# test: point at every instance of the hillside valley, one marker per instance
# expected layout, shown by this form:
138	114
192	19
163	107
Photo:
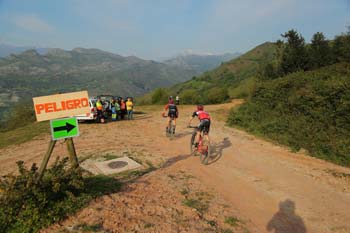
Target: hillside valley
29	74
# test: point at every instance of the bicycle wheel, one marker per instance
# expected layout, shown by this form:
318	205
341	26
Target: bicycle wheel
172	129
205	151
167	132
192	147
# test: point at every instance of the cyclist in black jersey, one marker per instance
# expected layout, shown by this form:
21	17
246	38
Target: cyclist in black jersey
173	113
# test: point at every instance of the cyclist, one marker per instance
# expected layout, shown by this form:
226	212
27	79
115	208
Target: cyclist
173	113
204	123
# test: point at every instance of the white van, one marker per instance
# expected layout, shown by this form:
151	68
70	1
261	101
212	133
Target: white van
92	115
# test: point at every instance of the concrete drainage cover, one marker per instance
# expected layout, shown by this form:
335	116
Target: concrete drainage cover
117	165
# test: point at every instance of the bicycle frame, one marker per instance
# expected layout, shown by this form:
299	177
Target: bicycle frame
203	150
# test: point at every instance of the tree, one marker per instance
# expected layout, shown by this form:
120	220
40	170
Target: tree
190	96
217	95
160	95
320	53
267	72
294	54
341	47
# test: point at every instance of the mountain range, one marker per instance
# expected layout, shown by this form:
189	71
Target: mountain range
30	73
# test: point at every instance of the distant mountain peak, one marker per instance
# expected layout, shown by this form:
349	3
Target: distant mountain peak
80	50
200	62
188	52
89	50
56	52
30	53
191	52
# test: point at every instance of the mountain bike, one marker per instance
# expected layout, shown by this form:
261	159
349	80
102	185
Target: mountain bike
203	148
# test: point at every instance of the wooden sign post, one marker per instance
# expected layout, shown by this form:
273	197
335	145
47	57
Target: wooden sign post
57	106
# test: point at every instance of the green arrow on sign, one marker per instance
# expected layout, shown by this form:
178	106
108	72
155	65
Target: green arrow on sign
64	128
68	127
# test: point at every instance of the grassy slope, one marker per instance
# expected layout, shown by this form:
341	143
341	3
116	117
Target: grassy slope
23	134
307	110
232	79
231	73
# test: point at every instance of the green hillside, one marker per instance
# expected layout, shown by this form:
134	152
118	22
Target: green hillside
307	110
302	97
222	83
225	78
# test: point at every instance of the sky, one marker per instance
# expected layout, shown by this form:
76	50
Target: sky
156	29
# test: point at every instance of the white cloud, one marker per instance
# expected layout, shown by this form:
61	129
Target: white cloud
32	23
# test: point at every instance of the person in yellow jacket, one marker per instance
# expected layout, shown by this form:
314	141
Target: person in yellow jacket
129	108
99	108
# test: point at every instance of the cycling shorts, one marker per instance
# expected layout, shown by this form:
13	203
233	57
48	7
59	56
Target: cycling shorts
204	126
172	115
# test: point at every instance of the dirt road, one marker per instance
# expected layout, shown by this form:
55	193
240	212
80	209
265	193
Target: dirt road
265	186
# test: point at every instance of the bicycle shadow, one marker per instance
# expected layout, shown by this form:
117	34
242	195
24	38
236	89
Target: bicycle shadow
216	150
182	134
174	160
142	117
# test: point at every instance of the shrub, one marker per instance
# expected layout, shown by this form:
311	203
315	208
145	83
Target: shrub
190	97
217	95
160	95
303	110
28	206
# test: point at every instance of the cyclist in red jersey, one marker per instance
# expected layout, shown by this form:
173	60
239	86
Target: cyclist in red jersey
204	122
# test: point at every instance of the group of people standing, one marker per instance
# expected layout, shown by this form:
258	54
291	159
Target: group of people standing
117	108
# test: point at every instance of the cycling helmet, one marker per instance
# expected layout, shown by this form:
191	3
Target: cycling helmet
200	108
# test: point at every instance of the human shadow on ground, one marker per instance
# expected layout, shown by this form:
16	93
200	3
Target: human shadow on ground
216	150
285	220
